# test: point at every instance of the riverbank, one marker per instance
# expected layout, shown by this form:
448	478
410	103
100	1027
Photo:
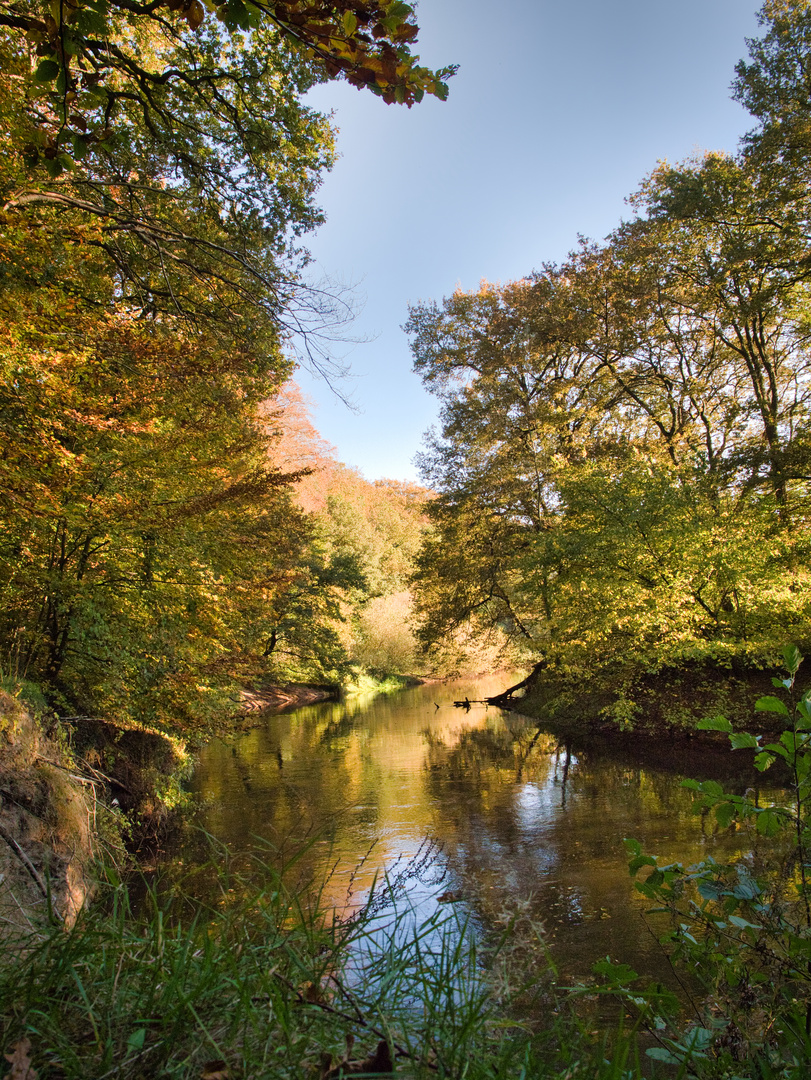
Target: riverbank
658	709
275	699
531	867
52	822
262	982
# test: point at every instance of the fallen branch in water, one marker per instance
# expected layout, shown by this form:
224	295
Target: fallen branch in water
504	697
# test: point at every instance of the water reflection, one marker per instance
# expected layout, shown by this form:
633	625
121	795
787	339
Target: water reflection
520	819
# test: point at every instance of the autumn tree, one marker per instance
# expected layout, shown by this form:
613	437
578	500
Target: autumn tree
159	175
175	141
610	464
364	541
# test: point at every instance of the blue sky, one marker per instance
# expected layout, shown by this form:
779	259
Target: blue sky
559	109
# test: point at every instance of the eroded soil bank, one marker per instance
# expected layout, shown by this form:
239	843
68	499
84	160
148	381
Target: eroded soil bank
49	818
73	793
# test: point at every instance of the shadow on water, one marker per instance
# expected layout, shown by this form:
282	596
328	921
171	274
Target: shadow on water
520	822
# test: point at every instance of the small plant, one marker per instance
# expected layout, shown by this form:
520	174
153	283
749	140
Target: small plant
740	937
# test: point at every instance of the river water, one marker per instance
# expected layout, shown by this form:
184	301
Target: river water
358	788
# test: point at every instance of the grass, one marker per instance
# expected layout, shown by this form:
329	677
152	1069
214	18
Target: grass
267	987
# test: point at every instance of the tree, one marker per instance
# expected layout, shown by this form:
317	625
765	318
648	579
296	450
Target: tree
176	143
610	470
159	172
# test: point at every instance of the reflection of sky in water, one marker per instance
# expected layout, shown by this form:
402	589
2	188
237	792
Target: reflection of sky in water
518	820
538	808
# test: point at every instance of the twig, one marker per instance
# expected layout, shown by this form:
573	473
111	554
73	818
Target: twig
21	855
96	775
400	1051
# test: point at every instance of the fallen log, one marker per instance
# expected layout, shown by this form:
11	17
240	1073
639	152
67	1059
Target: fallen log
505	696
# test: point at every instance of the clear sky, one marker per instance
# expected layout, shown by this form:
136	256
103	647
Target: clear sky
559	109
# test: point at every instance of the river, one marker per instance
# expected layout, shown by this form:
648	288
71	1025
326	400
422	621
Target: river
515	821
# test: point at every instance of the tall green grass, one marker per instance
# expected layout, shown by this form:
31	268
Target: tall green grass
268	986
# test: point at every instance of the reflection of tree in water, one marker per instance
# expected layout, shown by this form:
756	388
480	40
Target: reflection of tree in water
527	821
498	747
525	825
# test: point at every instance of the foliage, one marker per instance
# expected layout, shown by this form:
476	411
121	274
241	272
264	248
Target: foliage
372	530
741	931
258	985
128	577
159	171
622	465
173	140
383	638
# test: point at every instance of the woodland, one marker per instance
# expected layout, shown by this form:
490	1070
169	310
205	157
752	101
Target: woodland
618	491
620	479
162	539
623	461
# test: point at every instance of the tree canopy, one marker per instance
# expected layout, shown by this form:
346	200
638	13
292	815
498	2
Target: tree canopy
622	464
159	175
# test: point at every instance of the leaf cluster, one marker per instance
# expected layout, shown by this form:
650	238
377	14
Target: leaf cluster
740	931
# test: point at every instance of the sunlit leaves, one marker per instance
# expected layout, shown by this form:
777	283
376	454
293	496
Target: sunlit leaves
628	427
366	43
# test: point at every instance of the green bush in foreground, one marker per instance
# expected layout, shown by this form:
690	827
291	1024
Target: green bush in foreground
263	987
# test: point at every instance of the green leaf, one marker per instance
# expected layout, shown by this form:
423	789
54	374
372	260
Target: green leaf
711	787
714	723
724	813
398	9
743	924
777	748
793	658
742	740
764	761
350	23
771	704
659	1053
769	822
635	865
710	890
616	974
47	71
746	889
136	1040
91	22
804	709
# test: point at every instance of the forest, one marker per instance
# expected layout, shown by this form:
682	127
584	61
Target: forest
617	495
161	540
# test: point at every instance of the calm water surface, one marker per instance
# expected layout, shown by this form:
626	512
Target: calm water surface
519	822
